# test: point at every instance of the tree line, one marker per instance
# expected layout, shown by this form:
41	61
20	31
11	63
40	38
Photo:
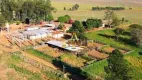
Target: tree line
73	8
107	8
12	10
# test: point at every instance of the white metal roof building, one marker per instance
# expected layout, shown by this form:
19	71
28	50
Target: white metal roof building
64	46
36	33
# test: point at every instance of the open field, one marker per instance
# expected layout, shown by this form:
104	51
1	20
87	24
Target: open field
85	12
105	2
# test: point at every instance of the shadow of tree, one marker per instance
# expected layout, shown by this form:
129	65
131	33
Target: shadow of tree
140	53
126	33
77	73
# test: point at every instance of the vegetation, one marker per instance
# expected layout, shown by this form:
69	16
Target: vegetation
136	32
118	32
93	23
108	37
117	67
111	18
55	76
96	68
77	27
40	55
19	9
73	60
64	19
85	12
2	21
49	17
75	7
34	76
106	8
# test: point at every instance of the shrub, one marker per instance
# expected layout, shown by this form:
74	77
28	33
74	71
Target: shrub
136	32
63	19
49	17
18	22
93	23
2	21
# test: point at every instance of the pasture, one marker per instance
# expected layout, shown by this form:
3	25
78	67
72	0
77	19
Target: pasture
85	11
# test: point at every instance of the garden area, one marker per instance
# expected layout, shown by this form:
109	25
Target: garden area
40	55
50	51
73	60
31	69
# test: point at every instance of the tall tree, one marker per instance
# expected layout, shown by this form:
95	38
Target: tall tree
33	9
2	22
111	18
77	27
118	31
117	68
136	33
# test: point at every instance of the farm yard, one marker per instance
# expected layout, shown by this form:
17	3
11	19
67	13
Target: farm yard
71	40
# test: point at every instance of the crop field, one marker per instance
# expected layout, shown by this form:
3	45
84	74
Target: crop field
85	12
73	60
49	51
13	68
40	55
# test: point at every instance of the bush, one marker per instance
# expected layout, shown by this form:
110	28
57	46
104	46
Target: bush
93	23
49	17
136	32
63	19
2	21
18	22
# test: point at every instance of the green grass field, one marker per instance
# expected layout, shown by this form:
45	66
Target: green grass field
107	37
134	58
85	12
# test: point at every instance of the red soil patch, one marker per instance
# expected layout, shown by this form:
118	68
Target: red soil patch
97	54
